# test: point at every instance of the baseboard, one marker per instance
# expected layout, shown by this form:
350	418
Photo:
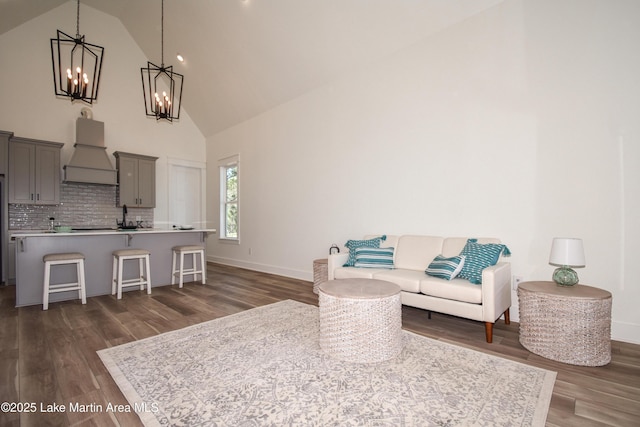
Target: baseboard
626	332
264	268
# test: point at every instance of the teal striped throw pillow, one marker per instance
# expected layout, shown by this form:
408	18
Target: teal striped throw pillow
374	257
352	245
478	257
445	268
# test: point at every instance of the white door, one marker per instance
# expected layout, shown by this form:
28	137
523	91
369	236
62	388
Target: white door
187	193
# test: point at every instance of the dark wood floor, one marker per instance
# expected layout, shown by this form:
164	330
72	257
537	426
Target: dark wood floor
50	357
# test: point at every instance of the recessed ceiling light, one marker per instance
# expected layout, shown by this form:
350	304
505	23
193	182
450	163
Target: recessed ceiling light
180	58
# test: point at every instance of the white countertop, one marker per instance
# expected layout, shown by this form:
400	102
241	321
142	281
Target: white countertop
45	233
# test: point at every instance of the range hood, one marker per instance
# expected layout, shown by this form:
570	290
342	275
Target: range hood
90	163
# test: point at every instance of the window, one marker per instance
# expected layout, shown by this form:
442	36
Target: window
229	198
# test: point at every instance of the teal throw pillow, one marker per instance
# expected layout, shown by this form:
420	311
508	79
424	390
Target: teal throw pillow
479	256
352	245
374	257
445	268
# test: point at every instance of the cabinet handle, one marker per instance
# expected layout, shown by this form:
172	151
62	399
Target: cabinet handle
31	196
38	196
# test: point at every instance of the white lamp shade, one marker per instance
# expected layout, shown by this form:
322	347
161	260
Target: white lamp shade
567	251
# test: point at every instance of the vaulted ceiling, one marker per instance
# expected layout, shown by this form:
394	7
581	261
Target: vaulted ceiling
244	57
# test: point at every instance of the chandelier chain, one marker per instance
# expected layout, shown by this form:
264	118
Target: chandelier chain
161	36
78	20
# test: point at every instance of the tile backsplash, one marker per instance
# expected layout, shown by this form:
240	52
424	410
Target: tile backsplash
81	205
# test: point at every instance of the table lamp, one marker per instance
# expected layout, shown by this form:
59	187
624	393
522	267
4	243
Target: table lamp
566	253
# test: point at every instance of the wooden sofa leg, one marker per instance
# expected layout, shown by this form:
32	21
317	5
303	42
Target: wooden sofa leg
507	320
488	329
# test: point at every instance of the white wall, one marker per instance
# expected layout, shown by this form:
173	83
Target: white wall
30	109
519	123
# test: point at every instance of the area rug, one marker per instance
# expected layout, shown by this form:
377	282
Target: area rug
264	367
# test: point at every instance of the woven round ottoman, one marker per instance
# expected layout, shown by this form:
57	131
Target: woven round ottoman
360	320
569	324
320	273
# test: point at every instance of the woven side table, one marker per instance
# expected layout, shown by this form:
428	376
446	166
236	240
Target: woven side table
567	324
360	320
320	273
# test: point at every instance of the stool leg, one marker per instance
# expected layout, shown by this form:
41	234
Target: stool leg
203	265
146	258
120	265
45	287
141	273
194	265
83	290
173	268
181	279
114	275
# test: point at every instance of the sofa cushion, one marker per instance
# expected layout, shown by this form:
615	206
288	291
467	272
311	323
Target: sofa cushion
374	258
408	280
445	268
352	245
416	252
456	289
478	257
356	273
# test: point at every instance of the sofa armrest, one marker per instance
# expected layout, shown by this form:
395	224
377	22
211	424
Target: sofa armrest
335	261
496	291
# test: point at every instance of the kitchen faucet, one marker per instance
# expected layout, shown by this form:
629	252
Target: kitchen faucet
123	225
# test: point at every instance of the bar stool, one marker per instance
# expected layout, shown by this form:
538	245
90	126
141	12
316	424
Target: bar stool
119	257
62	259
180	271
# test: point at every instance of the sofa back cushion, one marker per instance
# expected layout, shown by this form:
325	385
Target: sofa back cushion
416	252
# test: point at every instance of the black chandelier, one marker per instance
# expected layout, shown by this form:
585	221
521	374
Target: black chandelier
161	87
76	65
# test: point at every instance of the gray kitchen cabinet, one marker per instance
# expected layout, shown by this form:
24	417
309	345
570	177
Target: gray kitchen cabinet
34	171
136	180
4	150
11	263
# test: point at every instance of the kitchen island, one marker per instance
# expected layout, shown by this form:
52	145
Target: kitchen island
97	247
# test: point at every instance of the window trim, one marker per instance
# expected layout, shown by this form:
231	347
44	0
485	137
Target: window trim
223	165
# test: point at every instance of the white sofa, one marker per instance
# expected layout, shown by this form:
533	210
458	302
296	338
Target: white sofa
458	297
